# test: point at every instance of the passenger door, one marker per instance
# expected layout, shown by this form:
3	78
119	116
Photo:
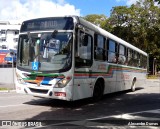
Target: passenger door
83	64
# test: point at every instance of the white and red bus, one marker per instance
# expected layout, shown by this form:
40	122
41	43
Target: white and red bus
69	58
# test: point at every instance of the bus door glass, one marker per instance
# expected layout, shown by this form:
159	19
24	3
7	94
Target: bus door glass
83	63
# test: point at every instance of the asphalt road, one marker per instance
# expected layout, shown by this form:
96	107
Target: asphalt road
118	110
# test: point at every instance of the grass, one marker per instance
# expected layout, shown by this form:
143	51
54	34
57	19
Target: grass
4	89
152	77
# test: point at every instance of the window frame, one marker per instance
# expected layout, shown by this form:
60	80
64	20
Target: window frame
110	51
77	49
103	49
122	54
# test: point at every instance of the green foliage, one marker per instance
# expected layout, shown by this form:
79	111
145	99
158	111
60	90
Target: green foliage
152	77
3	89
99	20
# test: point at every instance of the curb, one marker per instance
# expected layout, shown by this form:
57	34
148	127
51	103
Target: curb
7	91
153	80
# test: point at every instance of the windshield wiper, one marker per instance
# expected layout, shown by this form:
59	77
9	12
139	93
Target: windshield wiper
29	38
54	33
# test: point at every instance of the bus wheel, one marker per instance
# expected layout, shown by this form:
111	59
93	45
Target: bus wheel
98	90
133	87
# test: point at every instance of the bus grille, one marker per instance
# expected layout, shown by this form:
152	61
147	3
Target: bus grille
42	91
45	84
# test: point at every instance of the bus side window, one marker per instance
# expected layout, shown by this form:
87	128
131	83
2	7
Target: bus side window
122	57
138	60
99	52
130	57
112	56
135	59
143	61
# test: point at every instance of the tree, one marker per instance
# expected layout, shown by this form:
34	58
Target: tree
119	20
99	20
139	25
157	1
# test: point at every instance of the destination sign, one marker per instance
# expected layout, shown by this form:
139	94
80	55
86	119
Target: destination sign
63	23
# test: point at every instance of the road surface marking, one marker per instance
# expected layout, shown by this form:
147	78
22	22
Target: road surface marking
11	105
126	114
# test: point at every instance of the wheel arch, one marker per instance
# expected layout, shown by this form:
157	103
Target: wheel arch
134	79
133	84
100	78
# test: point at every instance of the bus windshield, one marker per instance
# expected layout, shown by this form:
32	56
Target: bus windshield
48	51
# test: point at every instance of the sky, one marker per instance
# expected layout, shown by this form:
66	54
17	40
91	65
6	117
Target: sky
29	9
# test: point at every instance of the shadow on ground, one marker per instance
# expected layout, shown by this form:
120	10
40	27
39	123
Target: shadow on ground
111	104
62	112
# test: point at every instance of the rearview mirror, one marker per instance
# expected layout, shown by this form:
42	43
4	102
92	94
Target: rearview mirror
84	39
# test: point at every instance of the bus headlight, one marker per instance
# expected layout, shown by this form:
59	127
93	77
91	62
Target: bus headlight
62	83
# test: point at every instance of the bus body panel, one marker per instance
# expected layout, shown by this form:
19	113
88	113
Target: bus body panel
82	84
44	90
